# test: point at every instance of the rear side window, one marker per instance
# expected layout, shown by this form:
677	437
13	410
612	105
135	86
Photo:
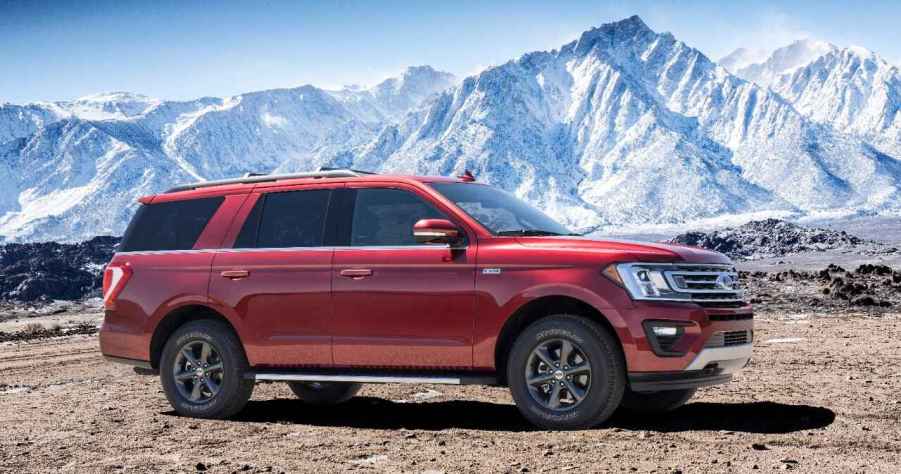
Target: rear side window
385	216
286	219
174	225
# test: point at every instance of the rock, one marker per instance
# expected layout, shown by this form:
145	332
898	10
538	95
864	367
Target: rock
772	238
864	300
47	271
759	447
866	269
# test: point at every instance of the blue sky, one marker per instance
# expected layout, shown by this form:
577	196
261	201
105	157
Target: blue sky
59	50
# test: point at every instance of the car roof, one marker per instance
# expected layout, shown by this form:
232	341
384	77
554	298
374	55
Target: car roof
250	181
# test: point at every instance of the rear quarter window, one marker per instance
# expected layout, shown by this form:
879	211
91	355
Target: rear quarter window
173	225
286	219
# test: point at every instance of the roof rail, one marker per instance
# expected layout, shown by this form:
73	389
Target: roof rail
326	168
262	178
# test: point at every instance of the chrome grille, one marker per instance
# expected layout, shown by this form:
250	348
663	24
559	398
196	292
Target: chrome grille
729	338
706	284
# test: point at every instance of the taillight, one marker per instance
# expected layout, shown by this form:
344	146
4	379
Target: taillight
114	279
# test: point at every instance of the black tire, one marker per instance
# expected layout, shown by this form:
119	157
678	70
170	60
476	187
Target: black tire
655	403
233	389
324	393
602	392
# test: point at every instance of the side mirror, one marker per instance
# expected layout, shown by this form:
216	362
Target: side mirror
435	231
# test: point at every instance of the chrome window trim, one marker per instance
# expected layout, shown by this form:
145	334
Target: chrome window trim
293	249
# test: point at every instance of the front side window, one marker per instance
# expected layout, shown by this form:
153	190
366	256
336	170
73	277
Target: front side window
499	212
174	225
286	219
384	216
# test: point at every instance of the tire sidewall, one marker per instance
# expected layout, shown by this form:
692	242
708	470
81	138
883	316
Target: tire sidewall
233	366
606	387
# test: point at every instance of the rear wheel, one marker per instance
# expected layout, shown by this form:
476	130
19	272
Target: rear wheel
324	393
566	372
202	371
651	403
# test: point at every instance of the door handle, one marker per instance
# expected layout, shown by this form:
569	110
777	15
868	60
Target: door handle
356	273
235	274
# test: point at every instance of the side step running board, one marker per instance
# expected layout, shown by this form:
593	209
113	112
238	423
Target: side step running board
450	379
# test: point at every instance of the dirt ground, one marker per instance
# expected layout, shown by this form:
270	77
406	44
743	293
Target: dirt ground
823	394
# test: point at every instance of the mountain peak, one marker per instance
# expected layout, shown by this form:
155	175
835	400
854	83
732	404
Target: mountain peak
618	31
764	71
115	96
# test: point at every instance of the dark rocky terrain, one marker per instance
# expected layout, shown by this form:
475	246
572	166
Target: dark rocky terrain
830	291
53	271
775	238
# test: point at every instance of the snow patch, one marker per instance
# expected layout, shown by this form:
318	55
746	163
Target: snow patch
273	121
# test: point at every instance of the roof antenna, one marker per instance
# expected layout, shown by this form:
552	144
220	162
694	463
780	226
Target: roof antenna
467	176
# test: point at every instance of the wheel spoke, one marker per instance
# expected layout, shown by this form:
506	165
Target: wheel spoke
554	400
184	376
541	379
213	386
186	351
214	368
545	356
577	393
195	393
579	369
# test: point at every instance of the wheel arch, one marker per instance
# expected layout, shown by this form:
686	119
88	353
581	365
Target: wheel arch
178	318
537	309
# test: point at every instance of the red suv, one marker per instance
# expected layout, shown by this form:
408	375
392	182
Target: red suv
331	279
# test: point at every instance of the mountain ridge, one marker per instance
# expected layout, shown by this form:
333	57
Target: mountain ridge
620	126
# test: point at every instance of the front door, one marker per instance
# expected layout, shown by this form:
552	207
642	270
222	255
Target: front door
277	279
399	304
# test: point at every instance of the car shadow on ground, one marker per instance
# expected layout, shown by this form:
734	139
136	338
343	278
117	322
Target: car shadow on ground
376	413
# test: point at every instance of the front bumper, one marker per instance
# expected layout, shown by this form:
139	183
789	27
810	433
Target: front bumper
711	366
694	365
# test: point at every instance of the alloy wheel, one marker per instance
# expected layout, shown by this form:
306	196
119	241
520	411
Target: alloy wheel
558	374
198	372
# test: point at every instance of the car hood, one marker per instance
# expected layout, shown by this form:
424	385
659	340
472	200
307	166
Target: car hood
639	251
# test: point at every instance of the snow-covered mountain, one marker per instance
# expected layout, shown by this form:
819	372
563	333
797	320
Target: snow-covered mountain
766	69
852	89
626	125
622	126
71	170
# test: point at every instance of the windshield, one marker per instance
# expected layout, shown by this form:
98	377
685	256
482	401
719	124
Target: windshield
500	212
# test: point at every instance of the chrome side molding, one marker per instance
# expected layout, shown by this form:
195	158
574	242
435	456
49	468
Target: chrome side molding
451	379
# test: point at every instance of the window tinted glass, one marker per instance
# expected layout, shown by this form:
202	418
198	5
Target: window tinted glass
248	236
498	211
292	219
386	217
172	225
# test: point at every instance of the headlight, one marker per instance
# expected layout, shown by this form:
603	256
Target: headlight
644	281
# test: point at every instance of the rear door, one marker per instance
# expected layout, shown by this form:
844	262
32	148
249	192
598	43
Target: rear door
277	278
397	303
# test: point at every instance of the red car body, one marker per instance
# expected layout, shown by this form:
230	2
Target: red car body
400	309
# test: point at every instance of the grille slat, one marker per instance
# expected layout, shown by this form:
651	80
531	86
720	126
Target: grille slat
729	338
708	285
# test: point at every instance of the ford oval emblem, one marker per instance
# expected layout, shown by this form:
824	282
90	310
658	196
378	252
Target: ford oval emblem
725	282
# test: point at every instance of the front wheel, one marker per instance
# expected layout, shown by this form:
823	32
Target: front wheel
566	372
654	403
202	371
324	393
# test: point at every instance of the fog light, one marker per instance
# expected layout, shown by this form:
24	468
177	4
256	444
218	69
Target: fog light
665	331
664	336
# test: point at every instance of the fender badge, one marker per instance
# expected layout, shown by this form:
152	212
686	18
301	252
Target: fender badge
491	271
